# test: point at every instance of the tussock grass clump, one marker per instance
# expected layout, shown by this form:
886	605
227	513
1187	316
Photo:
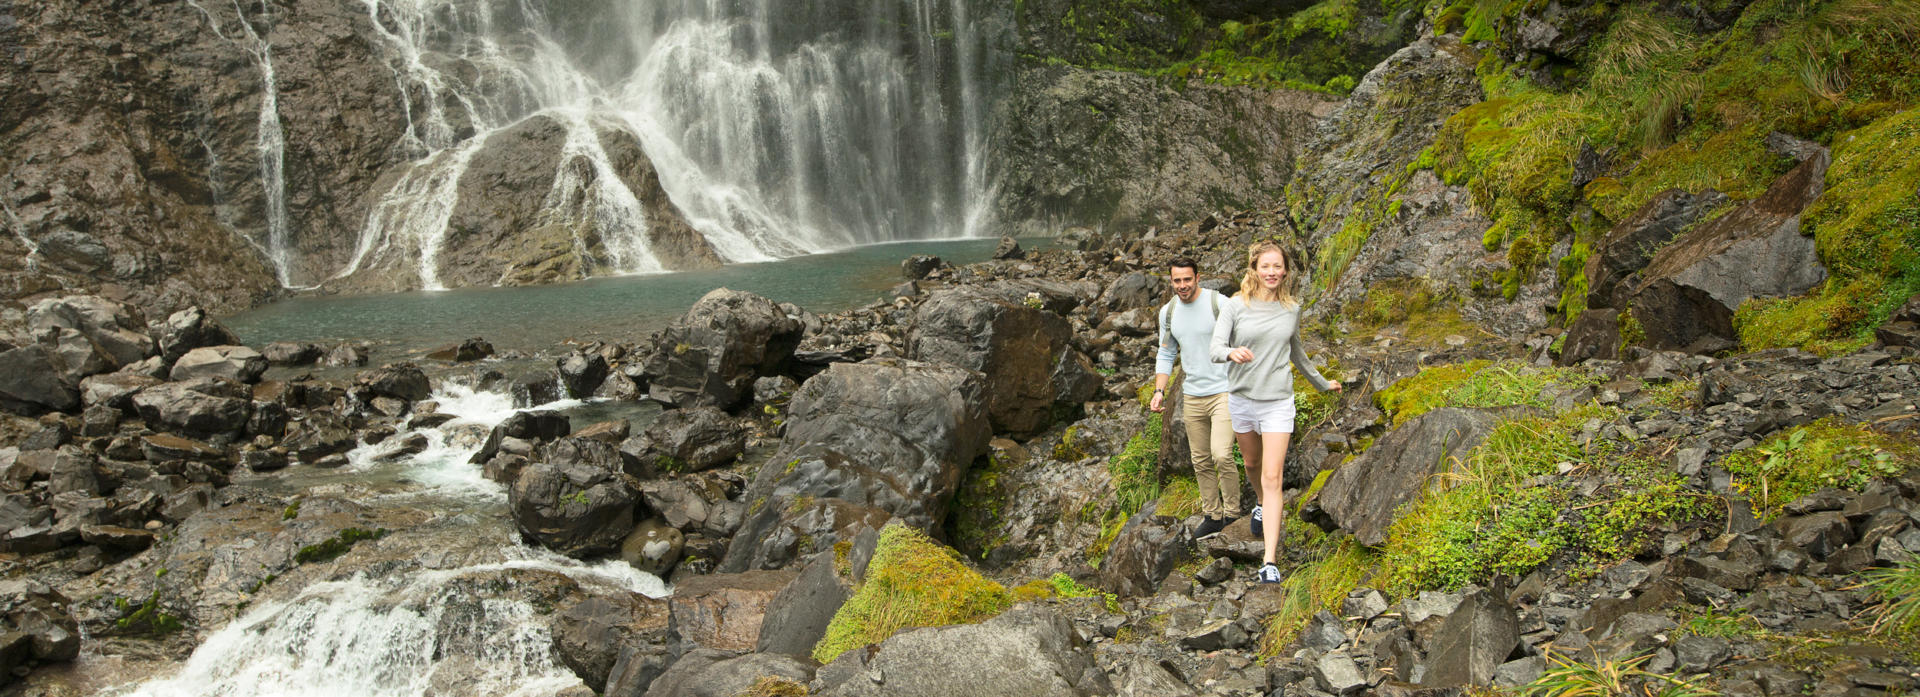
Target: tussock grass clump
911	582
1607	677
1335	570
1897	589
1825	453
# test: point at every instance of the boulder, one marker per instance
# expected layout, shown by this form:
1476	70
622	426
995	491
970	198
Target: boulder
190	329
117	329
320	435
466	351
79	355
200	407
237	363
796	618
1365	494
918	266
592	632
1009	248
1595	334
711	355
725	611
1631	243
1028	650
581	373
33	380
536	426
1143	553
1134	289
712	673
1473	642
653	547
35	625
1689	290
114	390
404	381
1015	346
689	440
865	442
291	353
345	356
578	510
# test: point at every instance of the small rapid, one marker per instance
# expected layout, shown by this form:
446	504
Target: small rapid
401	627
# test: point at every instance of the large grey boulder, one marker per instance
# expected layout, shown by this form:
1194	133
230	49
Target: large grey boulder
577	509
1594	334
689	440
1135	289
201	407
1143	553
33	380
797	617
1028	650
35	625
711	355
237	363
1632	242
1018	348
591	632
713	673
404	381
1473	642
119	330
865	442
725	611
1364	495
1690	289
190	329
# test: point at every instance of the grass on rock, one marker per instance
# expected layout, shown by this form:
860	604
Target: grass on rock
911	582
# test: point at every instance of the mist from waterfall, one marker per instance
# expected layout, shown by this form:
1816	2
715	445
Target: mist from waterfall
778	127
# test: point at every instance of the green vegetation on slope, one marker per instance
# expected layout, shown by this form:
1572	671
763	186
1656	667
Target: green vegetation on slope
911	582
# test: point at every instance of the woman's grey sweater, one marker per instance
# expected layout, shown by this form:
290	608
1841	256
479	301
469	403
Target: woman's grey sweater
1270	330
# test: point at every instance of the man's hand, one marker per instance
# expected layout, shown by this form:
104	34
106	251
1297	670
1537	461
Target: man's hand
1155	406
1240	354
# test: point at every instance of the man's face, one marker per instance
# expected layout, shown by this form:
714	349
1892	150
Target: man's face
1185	283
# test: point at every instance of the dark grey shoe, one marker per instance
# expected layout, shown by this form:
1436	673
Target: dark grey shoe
1209	527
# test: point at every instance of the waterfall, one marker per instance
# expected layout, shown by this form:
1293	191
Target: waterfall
778	127
454	631
270	143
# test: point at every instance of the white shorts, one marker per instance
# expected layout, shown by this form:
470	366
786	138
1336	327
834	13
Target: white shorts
1262	415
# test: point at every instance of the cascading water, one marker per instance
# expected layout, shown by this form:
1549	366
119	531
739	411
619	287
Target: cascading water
270	141
778	127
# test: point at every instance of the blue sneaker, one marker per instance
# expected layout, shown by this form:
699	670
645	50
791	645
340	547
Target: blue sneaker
1269	574
1259	530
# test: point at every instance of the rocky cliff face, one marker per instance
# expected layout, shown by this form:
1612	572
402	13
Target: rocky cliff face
1128	151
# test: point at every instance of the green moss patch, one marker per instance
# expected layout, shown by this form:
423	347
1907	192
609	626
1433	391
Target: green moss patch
335	546
911	582
1826	453
1477	384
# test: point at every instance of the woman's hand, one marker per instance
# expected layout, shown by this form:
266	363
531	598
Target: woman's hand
1240	354
1336	386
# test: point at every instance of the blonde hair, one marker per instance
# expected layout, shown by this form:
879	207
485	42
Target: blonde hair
1250	288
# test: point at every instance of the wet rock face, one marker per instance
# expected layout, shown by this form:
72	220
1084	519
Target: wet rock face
1691	287
865	442
1143	153
1631	244
592	632
35	626
711	355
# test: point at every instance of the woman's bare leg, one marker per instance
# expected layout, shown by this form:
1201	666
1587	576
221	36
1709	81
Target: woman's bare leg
1250	457
1273	460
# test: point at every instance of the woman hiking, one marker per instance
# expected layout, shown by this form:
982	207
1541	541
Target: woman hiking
1257	334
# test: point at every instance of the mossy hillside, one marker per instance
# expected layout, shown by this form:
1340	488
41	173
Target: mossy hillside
1677	109
1827	453
1502	510
1426	313
1866	228
912	581
1478	384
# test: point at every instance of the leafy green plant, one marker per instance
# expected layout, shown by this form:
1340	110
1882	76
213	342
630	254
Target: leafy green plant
1065	587
1825	453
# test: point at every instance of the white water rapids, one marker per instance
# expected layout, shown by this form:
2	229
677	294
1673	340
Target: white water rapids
778	127
414	633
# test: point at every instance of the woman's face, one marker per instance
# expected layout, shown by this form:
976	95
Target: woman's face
1271	268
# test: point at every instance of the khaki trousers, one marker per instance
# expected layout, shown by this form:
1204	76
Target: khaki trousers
1210	443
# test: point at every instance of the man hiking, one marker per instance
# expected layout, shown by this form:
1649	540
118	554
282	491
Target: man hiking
1186	325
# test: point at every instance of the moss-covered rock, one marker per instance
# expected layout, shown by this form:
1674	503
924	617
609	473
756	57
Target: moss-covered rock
911	582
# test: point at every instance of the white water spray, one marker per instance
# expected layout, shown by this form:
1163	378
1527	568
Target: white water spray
778	127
